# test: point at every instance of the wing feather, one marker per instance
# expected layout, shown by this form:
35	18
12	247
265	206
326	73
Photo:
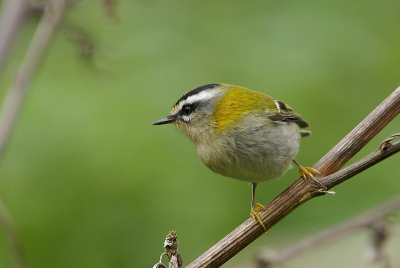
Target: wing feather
283	113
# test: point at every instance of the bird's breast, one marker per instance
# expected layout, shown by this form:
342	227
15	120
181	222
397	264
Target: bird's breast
253	152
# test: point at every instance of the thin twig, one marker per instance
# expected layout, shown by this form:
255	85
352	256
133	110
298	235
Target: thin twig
300	192
13	12
385	150
17	91
379	236
266	259
13	101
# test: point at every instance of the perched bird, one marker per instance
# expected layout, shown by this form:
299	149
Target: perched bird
240	133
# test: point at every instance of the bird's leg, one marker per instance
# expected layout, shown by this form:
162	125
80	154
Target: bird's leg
306	171
254	211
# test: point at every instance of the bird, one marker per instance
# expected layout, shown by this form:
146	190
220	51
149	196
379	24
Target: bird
241	134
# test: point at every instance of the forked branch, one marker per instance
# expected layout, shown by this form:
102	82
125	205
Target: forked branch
269	258
300	192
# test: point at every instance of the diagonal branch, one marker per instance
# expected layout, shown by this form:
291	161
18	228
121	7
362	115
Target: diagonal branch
339	155
386	150
300	192
367	219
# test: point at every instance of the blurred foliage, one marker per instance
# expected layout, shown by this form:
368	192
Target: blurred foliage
91	183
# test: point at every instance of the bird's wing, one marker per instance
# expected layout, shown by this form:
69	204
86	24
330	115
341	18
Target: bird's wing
283	113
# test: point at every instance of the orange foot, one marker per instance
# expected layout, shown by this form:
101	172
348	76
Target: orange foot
256	217
306	171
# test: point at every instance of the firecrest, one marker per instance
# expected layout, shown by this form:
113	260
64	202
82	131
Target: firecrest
240	133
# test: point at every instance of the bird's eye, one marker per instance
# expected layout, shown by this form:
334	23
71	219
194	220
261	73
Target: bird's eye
187	110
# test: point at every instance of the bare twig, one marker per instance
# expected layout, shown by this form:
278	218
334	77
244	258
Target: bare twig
171	244
15	95
13	13
160	263
300	192
385	150
171	248
269	259
339	155
379	236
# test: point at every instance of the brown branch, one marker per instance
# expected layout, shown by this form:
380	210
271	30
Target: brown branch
300	192
386	150
339	155
13	101
268	258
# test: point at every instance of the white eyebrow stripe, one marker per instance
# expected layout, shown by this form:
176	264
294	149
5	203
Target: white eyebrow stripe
201	96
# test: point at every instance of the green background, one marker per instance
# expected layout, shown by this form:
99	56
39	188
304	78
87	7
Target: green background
91	183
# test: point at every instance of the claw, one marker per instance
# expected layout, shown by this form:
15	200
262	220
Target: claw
256	217
306	171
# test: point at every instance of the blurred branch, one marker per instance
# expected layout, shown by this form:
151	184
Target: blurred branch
12	103
13	13
380	234
17	91
269	258
300	192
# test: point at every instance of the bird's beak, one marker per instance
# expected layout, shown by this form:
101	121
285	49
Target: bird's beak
166	120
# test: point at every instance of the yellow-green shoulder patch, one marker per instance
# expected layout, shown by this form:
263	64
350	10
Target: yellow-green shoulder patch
235	102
